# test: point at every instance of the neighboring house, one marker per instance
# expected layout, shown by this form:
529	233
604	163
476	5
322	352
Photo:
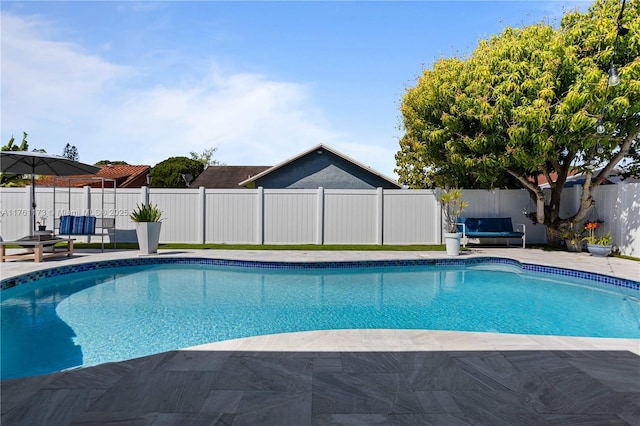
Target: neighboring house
225	177
125	176
321	166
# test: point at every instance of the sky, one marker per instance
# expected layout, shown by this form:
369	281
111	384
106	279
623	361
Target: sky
258	81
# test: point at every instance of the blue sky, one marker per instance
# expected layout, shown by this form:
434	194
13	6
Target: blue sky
259	81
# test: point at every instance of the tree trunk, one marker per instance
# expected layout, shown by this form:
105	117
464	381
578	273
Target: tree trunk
554	237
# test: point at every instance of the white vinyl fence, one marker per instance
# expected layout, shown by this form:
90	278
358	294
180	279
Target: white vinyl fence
303	216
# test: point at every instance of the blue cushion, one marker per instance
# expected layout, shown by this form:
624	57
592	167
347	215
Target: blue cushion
78	225
486	224
488	234
66	222
89	225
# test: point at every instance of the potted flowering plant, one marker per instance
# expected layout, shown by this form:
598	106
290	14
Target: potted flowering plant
597	246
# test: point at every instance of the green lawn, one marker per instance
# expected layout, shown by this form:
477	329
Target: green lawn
307	247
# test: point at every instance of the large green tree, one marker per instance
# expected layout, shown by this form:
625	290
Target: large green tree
107	162
206	158
70	152
526	103
169	173
9	179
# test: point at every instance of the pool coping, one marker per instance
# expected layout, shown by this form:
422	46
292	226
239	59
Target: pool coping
599	278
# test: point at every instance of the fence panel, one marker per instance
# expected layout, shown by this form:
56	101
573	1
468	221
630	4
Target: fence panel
619	207
179	212
350	216
411	217
290	216
231	216
15	213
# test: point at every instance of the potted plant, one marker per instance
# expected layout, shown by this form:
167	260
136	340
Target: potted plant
42	223
147	218
452	206
573	238
597	246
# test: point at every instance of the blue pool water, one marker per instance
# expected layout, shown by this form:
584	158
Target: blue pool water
112	314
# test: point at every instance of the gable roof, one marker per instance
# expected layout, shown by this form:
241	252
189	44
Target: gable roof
125	175
317	148
221	177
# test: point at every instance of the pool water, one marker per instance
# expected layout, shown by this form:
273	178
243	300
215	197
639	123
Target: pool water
114	314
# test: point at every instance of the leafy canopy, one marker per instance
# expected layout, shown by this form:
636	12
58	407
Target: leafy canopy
206	158
168	173
70	152
526	103
9	179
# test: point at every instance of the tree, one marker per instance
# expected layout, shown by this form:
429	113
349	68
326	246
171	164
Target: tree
206	157
107	162
9	179
70	152
168	173
527	103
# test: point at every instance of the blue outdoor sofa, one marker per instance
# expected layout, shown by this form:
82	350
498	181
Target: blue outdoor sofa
489	227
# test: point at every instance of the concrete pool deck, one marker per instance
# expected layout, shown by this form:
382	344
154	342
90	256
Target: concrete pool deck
393	377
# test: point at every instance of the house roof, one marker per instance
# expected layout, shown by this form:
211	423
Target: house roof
577	178
219	177
125	176
315	149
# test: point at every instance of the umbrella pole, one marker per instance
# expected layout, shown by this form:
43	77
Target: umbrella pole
33	204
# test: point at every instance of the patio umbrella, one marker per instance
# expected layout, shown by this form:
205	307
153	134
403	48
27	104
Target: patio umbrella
38	163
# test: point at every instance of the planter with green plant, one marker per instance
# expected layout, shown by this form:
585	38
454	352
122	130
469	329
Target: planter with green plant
573	238
148	225
452	207
597	246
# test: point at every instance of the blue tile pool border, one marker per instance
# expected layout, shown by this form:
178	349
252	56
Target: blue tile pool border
601	279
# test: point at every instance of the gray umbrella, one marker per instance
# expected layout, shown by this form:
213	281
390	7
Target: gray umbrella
37	163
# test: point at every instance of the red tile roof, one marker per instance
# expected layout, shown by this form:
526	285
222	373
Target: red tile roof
125	175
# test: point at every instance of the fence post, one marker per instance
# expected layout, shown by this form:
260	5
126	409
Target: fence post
86	207
202	199
86	200
379	216
260	215
437	214
320	217
144	194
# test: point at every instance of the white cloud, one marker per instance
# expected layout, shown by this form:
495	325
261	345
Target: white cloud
250	119
48	82
60	94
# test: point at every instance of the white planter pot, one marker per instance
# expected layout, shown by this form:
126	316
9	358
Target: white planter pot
452	242
148	236
599	250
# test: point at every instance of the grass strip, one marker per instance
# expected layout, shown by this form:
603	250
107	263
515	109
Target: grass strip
307	247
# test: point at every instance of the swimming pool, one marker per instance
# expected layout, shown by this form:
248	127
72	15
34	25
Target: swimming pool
108	311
